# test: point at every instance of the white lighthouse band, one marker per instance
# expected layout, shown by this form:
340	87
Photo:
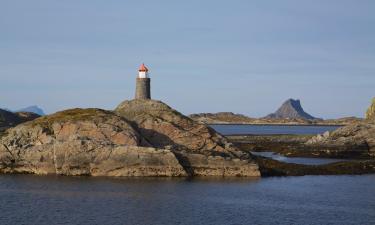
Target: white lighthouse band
143	71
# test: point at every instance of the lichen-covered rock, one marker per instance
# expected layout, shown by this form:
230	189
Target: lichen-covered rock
370	114
79	124
100	143
83	142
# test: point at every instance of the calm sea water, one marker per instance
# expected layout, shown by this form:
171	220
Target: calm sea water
49	200
227	129
28	199
298	160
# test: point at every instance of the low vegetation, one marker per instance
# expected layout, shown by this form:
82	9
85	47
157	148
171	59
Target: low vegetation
270	167
71	115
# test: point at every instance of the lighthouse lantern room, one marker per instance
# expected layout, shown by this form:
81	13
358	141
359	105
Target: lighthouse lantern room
143	71
143	84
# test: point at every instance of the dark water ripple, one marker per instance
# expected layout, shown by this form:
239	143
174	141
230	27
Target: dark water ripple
27	199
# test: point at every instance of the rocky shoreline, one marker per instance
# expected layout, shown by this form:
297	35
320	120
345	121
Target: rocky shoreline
360	161
354	142
295	146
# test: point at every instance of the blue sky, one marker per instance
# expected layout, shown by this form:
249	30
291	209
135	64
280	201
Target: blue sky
204	56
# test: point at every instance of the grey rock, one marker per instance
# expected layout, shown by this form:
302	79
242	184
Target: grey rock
360	135
326	134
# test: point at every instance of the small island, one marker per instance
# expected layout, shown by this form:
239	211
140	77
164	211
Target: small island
141	137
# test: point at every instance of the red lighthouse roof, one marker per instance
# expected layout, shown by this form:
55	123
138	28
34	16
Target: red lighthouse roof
143	68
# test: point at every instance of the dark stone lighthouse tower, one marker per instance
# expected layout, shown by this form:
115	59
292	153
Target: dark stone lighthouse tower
143	86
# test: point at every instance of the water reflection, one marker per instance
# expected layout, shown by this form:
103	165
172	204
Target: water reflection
298	160
230	129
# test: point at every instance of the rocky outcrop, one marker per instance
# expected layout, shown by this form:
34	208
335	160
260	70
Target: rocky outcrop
358	136
355	137
164	127
370	114
83	142
96	142
193	143
291	109
76	159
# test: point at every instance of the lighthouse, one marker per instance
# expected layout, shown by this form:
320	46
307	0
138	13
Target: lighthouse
143	86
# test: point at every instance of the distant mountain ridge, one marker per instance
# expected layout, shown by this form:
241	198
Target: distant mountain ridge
291	112
10	119
33	109
290	109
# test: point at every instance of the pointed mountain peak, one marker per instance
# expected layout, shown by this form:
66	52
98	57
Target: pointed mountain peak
291	109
